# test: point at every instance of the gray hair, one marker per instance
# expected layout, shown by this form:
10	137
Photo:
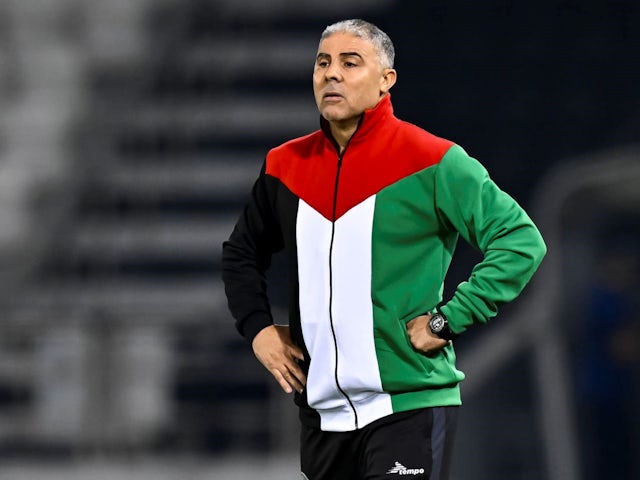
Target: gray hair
367	31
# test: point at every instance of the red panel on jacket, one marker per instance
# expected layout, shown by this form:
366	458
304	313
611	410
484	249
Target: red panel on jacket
383	150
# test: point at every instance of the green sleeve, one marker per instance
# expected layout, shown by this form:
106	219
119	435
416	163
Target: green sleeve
470	203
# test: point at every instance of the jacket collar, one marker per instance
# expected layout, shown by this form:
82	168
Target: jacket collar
372	121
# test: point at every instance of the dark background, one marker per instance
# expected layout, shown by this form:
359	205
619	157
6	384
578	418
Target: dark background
520	85
130	134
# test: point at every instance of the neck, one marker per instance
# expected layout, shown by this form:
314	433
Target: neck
343	131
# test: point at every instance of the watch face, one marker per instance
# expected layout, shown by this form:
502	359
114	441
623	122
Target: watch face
436	323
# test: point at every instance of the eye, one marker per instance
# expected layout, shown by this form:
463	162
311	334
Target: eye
322	63
349	64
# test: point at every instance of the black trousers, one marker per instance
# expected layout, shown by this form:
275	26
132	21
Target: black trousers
416	444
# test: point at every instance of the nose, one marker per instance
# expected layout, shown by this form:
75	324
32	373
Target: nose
332	72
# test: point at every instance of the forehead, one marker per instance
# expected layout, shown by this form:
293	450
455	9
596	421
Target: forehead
343	42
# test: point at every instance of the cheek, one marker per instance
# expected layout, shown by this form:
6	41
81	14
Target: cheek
368	96
316	91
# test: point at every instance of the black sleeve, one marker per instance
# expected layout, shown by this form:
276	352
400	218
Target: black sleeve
247	255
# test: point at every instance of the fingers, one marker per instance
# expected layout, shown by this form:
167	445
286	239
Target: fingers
290	381
297	353
298	377
293	374
421	337
284	384
290	376
288	373
429	346
432	350
275	350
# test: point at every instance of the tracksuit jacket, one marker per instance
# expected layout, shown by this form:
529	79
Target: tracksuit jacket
368	236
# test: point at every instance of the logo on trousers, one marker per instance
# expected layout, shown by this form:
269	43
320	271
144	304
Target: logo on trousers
400	469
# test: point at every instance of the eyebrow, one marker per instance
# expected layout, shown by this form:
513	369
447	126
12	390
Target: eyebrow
343	54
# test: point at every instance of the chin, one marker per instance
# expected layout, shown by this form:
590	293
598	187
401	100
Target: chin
331	115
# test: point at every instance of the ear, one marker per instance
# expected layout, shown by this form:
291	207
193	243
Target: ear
388	80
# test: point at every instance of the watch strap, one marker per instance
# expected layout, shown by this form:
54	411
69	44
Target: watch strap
445	333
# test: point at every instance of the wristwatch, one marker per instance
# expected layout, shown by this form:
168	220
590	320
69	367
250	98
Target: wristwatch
439	325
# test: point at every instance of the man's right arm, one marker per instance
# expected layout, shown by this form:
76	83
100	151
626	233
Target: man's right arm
246	256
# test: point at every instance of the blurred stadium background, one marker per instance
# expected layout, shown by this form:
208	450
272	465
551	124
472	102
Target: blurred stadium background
130	133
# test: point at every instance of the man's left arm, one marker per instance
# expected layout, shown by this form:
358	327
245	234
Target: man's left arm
469	202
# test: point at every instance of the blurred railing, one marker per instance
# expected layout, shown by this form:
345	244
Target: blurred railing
146	131
606	181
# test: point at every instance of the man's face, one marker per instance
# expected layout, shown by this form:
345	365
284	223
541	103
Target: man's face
347	78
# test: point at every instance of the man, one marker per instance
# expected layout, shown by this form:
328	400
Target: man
368	210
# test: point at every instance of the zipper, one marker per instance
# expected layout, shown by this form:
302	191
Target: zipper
333	332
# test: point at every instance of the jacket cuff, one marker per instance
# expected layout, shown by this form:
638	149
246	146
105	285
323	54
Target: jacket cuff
450	315
254	323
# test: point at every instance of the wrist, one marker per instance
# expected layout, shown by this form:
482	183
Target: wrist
439	326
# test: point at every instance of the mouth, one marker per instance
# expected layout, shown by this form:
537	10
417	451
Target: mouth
332	97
